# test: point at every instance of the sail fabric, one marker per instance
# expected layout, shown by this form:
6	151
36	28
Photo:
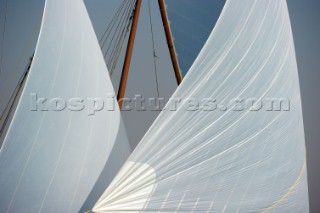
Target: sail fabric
63	147
212	153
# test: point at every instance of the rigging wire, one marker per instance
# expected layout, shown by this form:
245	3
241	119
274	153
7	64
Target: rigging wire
125	30
27	45
3	35
120	41
154	51
13	98
6	113
111	24
112	21
116	33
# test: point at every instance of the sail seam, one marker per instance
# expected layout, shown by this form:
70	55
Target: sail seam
290	189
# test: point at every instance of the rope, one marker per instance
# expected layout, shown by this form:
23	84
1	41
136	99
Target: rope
3	34
154	51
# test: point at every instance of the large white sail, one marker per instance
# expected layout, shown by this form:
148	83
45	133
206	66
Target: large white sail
59	154
226	159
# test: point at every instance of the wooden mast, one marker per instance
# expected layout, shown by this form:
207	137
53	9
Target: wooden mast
172	51
127	60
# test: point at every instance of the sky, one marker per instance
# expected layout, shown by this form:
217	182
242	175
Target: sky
142	79
191	22
306	31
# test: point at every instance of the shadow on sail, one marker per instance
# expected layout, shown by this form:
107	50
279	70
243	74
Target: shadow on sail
118	156
236	141
62	134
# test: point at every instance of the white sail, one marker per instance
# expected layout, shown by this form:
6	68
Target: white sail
207	159
59	155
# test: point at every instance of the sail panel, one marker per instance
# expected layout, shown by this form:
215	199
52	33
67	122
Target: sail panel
213	153
58	144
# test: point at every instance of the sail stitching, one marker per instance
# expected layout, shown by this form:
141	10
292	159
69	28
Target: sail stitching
40	126
294	185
